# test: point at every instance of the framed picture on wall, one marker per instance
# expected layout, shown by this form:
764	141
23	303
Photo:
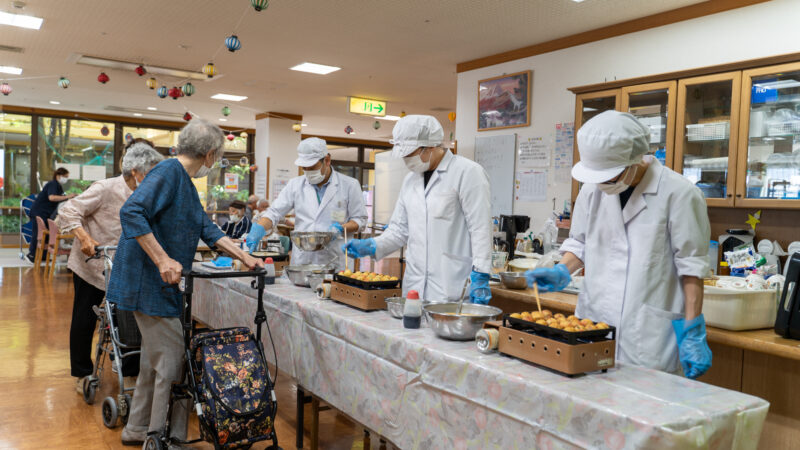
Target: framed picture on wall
504	101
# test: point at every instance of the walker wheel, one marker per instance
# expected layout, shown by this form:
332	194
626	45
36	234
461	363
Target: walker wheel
110	412
89	390
153	442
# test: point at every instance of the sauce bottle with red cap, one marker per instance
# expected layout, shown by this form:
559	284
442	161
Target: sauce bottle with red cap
412	310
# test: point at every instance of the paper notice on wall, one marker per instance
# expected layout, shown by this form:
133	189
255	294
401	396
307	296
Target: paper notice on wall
261	186
281	179
562	154
231	183
93	173
531	186
533	152
73	169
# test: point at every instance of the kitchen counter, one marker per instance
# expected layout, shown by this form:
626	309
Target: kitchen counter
420	391
763	341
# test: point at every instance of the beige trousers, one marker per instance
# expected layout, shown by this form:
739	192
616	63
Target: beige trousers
161	365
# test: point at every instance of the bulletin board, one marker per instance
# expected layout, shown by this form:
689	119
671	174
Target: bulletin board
497	155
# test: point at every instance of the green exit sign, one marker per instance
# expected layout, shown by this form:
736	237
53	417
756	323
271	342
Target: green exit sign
367	106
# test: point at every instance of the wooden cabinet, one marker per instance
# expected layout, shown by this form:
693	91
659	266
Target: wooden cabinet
707	127
735	135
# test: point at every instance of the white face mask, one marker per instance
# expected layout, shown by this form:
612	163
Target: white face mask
315	176
235	218
62	180
416	164
622	184
203	171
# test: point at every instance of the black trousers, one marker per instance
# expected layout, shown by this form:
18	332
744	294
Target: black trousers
81	331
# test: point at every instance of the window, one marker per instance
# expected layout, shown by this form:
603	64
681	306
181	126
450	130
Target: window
84	147
161	138
15	167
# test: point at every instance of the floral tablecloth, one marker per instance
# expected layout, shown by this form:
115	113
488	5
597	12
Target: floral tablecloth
420	391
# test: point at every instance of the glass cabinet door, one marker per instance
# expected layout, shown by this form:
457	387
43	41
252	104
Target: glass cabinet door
769	163
586	107
654	105
706	134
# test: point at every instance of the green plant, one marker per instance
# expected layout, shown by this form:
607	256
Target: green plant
242	195
218	192
9	224
242	171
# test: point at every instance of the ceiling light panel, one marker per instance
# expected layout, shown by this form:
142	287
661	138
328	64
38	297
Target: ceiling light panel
229	97
20	20
11	69
319	69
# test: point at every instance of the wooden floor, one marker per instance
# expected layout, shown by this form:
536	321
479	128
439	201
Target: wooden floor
39	407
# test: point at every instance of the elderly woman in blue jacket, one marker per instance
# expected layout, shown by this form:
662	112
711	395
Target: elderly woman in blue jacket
162	222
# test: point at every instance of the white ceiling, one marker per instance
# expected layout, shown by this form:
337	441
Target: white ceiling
404	52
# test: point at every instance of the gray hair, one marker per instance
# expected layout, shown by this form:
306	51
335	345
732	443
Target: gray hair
141	157
199	137
263	203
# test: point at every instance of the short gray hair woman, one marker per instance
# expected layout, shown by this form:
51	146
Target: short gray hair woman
93	217
162	223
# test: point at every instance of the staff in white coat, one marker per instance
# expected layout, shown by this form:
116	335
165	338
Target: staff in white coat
442	214
642	233
322	199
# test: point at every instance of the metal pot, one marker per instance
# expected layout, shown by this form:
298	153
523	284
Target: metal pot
446	324
311	241
299	274
514	280
395	306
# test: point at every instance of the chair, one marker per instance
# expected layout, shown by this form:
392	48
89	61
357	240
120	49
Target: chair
41	241
25	227
53	250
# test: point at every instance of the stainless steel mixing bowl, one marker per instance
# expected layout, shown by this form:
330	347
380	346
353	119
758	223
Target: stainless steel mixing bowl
514	280
299	274
311	241
395	306
445	323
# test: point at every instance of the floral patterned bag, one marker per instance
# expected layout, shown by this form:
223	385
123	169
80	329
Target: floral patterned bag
233	386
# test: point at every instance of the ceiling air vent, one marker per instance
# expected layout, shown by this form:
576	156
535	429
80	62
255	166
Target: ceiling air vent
9	48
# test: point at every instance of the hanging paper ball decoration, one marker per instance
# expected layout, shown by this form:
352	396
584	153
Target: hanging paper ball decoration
376	125
174	93
226	111
140	70
103	78
224	163
104	131
259	5
230	136
253	168
402	113
209	70
297	127
348	129
243	161
63	83
173	151
232	43
187	117
5	88
188	89
243	135
451	116
151	83
162	91
128	137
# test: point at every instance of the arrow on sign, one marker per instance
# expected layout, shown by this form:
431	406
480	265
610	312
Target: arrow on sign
379	107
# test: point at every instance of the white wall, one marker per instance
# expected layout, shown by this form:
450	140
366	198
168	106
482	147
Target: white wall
757	31
274	139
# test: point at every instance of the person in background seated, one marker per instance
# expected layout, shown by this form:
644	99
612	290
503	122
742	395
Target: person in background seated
261	206
252	203
46	204
238	224
93	217
162	223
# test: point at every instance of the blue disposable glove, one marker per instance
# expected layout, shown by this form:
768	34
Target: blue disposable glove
359	248
337	228
255	235
693	349
223	261
479	291
549	279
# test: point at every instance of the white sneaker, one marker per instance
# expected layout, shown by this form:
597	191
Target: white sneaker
79	384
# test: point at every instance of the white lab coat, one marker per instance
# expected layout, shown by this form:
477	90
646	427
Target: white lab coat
447	227
343	201
634	259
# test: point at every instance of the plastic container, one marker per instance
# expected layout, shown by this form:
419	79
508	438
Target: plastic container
269	266
412	310
713	256
740	309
